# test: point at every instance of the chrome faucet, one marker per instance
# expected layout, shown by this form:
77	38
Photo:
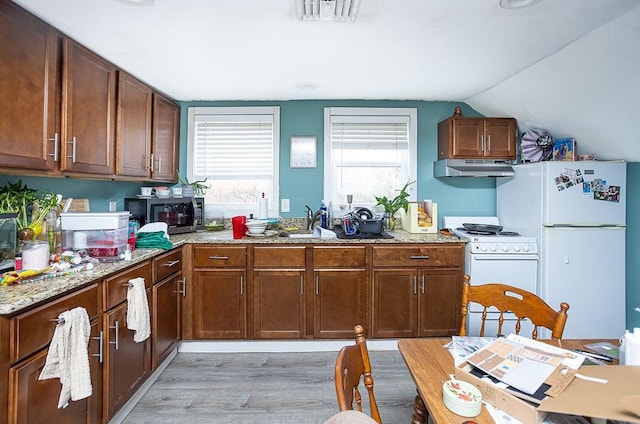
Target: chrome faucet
312	218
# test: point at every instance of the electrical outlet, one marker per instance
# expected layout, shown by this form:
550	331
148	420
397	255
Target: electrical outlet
112	206
284	205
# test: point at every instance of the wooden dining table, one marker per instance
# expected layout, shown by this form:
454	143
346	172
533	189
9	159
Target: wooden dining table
430	364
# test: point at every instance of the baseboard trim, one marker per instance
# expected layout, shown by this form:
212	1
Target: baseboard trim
245	346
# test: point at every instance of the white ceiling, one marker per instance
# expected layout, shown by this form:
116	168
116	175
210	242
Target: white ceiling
570	66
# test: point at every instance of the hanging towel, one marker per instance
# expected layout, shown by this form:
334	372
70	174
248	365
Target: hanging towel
68	356
138	310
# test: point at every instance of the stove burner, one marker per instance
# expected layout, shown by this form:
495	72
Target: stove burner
488	233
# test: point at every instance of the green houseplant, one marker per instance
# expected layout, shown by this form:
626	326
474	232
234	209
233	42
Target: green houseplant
391	206
198	187
29	204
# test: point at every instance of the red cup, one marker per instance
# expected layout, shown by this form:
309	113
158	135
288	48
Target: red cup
238	224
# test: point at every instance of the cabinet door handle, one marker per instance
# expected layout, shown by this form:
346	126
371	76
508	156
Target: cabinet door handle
219	258
117	334
422	284
301	285
489	143
419	257
159	164
317	285
171	263
415	284
100	340
73	149
183	287
482	143
241	285
56	142
151	162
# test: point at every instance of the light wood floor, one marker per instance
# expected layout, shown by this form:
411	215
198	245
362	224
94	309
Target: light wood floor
266	388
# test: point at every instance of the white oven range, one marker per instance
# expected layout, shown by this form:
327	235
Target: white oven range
496	257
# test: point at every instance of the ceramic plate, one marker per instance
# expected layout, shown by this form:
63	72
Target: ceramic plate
268	233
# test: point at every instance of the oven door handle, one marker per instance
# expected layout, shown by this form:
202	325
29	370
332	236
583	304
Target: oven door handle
481	257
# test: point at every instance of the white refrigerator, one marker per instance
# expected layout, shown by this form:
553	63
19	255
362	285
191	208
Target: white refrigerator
577	212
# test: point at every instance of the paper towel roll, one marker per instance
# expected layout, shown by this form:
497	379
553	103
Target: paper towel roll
263	207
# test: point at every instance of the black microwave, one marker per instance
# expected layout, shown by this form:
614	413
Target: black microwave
181	214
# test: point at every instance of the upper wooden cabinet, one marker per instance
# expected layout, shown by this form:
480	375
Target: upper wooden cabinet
133	131
88	111
164	139
29	89
470	138
64	111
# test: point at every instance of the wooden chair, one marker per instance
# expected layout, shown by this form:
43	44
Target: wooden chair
521	303
352	363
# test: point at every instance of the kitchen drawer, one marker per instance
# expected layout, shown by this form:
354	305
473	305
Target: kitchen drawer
167	264
419	256
116	286
279	257
219	257
33	330
339	257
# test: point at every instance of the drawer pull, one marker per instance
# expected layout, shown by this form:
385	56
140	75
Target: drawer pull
219	258
171	263
183	285
419	257
100	340
117	333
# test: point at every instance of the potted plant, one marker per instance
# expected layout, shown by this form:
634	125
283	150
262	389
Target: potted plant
391	206
30	205
191	189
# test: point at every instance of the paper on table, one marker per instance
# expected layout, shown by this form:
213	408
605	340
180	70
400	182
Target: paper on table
518	363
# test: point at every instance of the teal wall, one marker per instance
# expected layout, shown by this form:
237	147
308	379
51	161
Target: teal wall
633	245
455	196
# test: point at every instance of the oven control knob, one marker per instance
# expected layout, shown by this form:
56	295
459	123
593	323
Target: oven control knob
505	247
516	247
526	248
483	248
493	248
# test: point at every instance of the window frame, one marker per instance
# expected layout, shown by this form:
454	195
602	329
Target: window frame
233	209
412	171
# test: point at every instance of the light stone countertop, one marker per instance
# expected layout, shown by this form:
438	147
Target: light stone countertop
16	298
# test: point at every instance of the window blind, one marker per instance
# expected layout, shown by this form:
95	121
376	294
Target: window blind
233	146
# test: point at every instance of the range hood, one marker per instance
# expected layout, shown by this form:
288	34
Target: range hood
473	168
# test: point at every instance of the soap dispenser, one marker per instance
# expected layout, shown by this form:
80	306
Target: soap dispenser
324	216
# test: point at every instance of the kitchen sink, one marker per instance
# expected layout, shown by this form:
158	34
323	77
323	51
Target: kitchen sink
302	235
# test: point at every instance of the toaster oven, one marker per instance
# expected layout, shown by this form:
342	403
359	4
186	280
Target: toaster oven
181	214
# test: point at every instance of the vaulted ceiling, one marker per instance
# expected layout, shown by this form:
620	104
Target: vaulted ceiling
569	66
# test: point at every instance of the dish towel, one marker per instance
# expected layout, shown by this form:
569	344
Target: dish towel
68	356
154	240
138	318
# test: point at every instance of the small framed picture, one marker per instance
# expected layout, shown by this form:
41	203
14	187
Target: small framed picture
303	152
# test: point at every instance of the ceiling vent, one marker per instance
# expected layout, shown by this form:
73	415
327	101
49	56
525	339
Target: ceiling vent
327	10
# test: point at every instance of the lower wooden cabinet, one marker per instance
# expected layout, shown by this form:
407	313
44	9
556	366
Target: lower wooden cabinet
416	290
220	304
278	292
278	304
166	314
338	303
219	295
126	364
33	401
